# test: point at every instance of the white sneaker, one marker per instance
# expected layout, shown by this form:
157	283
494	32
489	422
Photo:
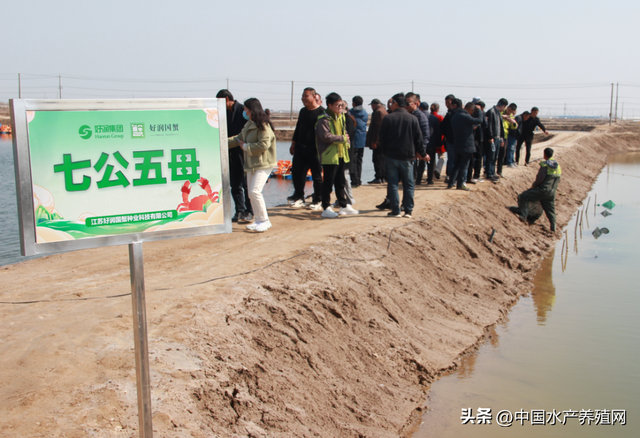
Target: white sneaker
298	204
348	210
329	214
262	226
317	206
252	226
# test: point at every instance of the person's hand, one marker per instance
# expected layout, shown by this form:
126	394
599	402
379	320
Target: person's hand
491	141
427	158
240	143
245	146
374	146
546	132
292	149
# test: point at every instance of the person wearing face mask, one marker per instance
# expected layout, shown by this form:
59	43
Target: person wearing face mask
257	141
237	178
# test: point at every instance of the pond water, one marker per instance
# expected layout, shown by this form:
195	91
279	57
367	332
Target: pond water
275	193
572	345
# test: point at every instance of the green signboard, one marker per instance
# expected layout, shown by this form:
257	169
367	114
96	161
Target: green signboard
98	170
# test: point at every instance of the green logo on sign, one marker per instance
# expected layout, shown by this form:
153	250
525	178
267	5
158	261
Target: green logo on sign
85	131
137	130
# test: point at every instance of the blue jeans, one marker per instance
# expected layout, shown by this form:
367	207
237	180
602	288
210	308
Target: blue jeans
396	171
511	149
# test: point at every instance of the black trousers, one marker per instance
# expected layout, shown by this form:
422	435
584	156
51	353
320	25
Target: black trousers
475	166
418	173
306	158
527	142
547	201
378	164
238	181
356	167
502	152
431	165
333	176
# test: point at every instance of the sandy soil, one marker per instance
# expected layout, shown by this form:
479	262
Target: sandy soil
340	340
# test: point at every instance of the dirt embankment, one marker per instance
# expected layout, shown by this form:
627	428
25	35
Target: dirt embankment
340	340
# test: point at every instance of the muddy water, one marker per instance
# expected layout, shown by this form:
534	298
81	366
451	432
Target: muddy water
573	344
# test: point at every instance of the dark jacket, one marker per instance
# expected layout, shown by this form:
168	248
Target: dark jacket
548	177
400	136
530	126
435	138
445	126
494	120
423	120
360	136
478	133
305	132
374	126
235	120
516	133
350	126
463	124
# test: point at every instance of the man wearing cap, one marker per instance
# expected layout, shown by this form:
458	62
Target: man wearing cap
371	141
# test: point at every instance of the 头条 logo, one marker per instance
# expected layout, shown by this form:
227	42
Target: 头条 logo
85	131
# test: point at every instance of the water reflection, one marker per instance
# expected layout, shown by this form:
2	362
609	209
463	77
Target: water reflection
544	291
569	344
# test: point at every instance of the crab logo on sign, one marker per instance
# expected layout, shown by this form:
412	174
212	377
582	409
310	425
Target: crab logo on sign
85	131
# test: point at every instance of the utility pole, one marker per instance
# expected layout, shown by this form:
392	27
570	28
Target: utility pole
60	85
565	110
291	113
19	87
617	86
412	86
622	114
611	105
227	83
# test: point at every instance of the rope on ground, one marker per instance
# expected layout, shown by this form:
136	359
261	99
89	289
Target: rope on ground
162	288
234	275
65	299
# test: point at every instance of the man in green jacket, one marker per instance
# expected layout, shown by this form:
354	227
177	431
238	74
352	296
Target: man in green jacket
543	190
332	142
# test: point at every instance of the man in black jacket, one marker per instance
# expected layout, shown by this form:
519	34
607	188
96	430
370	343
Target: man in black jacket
305	153
401	141
496	135
455	106
475	165
527	132
463	124
434	140
413	104
237	177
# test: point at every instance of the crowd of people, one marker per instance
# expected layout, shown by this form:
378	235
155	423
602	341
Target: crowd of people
406	138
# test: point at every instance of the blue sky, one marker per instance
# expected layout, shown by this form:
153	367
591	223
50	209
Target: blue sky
544	53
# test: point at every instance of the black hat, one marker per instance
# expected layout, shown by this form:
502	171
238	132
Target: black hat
375	101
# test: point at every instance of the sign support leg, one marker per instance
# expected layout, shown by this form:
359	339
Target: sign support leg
138	301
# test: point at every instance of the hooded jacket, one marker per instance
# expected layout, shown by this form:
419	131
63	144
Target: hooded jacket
548	176
331	138
361	116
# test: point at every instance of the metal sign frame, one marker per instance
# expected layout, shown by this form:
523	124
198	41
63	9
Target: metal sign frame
24	187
